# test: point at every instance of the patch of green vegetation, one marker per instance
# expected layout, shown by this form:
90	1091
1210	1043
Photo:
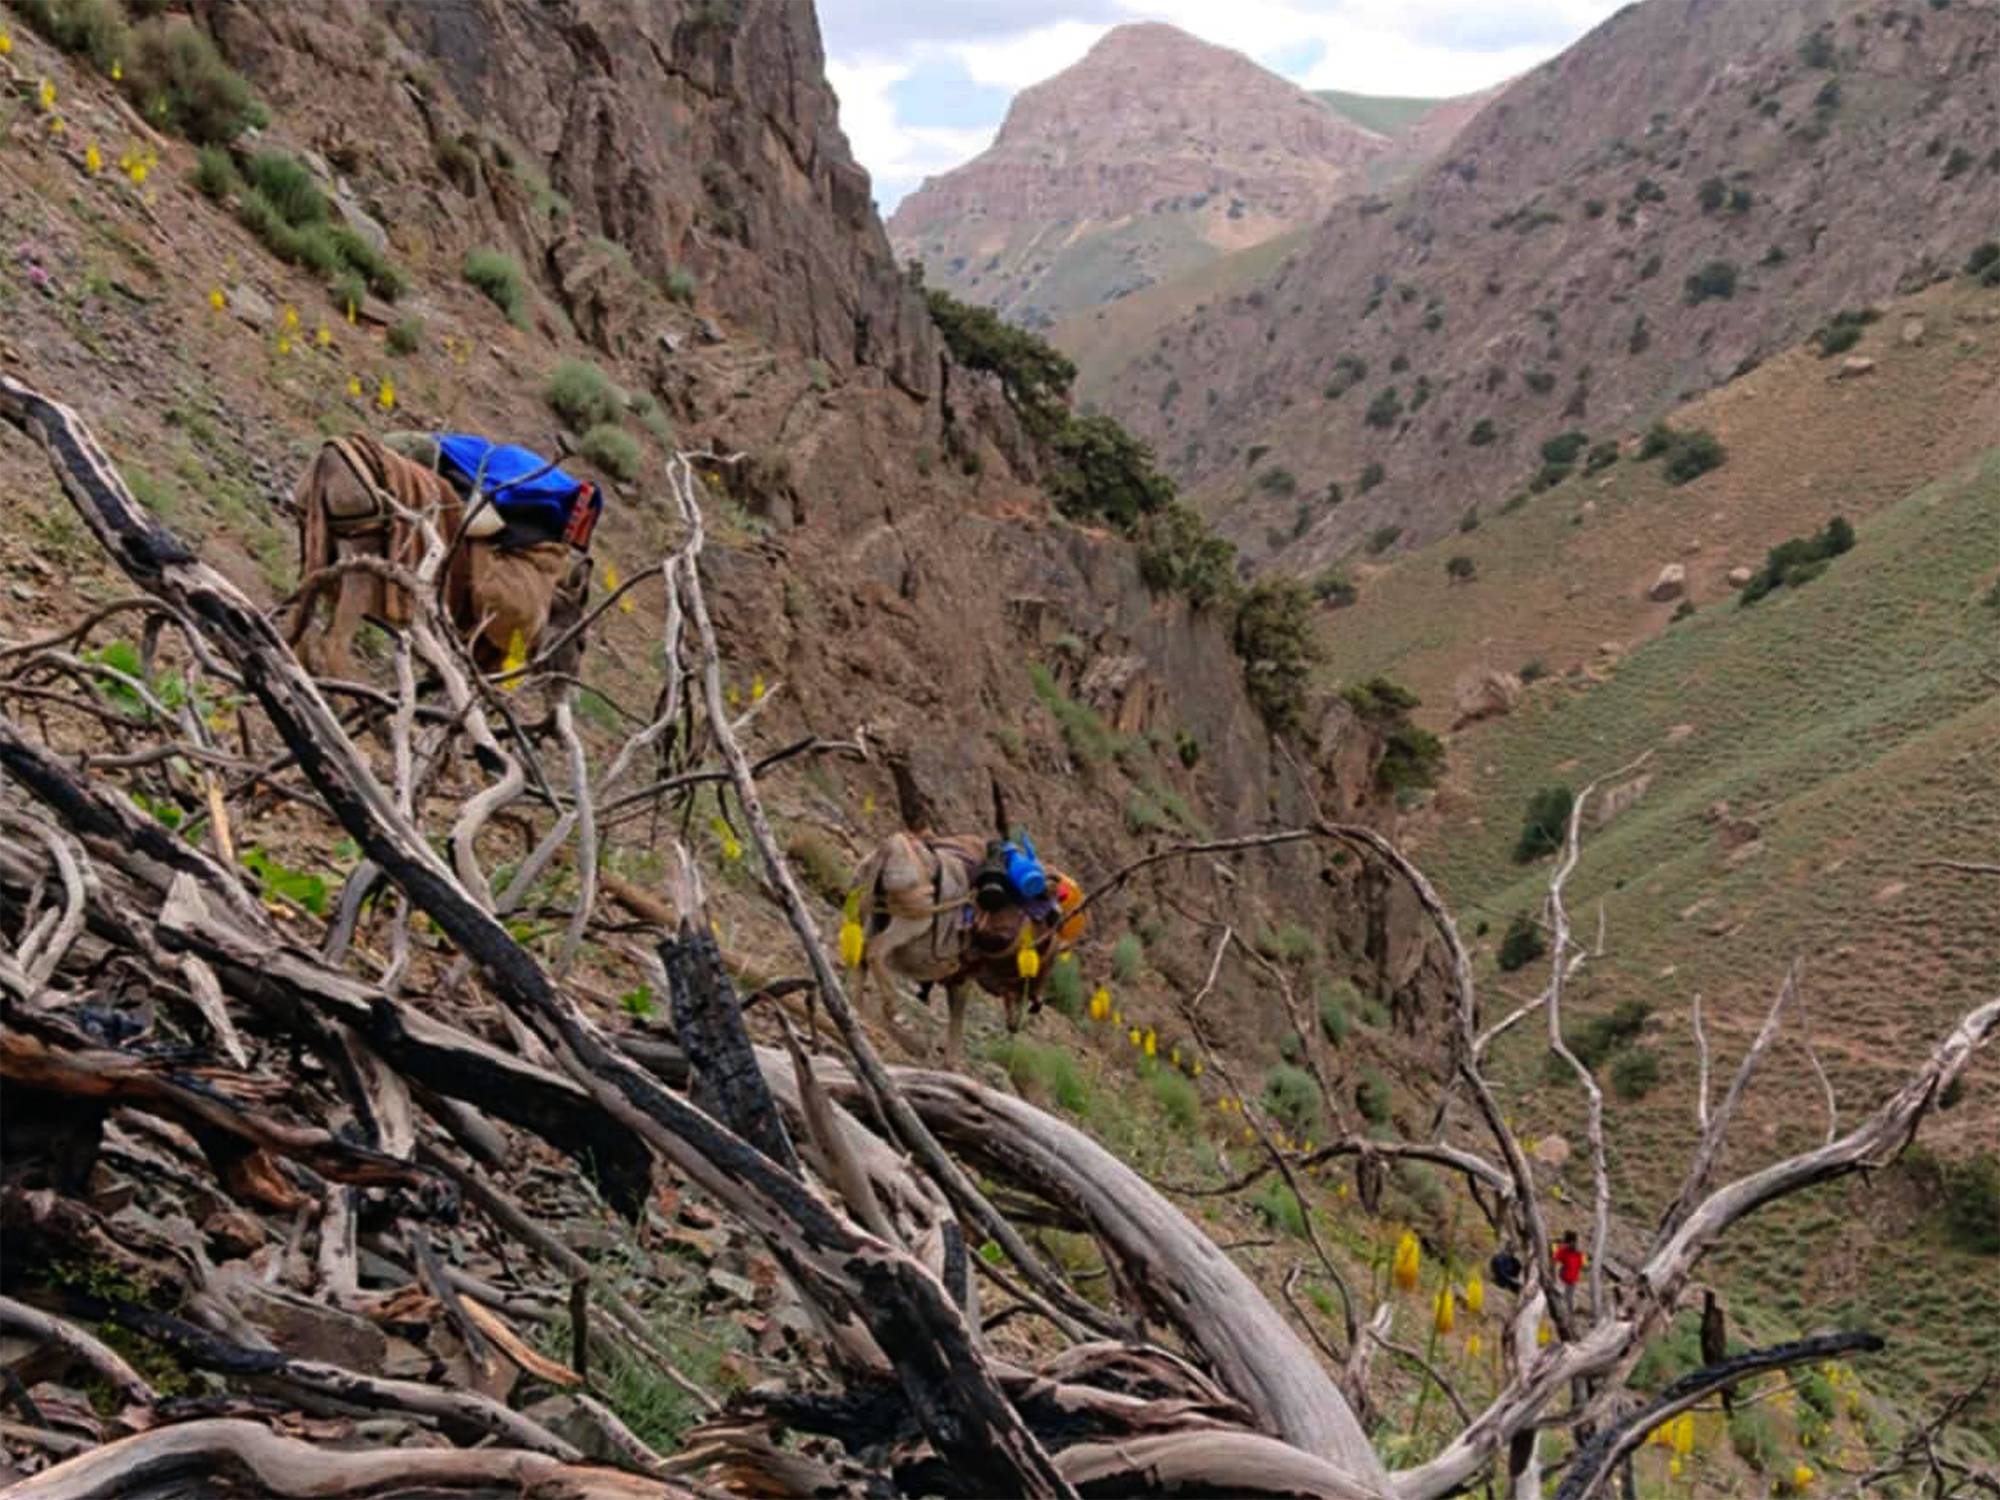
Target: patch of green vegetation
1634	1073
1062	988
1043	1071
1274	636
1127	954
215	174
1335	1000
1280	1207
1178	552
406	335
1375	1096
1522	944
1291	1098
1794	563
582	394
1714	281
1089	738
1753	1433
497	276
1689	453
179	82
1546	824
614	450
1177	1098
658	1411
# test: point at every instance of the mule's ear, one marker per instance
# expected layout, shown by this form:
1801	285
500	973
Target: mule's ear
999	809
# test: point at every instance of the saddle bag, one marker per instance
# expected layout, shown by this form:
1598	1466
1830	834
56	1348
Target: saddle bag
533	502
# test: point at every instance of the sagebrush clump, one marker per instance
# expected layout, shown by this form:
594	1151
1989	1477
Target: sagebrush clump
497	276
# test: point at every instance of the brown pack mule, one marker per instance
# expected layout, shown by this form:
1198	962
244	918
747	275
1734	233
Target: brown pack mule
361	496
919	922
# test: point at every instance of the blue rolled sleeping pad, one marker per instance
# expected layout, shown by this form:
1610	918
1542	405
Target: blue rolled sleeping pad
532	496
1024	870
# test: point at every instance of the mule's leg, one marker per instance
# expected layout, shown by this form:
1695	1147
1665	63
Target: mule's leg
353	593
954	1036
873	972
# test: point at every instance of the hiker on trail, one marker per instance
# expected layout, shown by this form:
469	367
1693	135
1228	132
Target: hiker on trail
1569	1264
1504	1270
518	528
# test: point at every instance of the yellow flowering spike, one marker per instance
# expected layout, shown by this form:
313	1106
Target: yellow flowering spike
1674	1466
1174	1057
1444	1311
1340	1191
1472	1347
47	93
291	316
1152	1046
868	805
93	160
851	943
323	336
1028	961
117	71
350	312
138	173
757	688
1249	1135
1408	1261
611	576
385	397
1195	1071
1542	1333
216	300
354	386
732	847
516	658
1684	1433
6	44
1100	1003
1117	1017
1475	1294
284	344
732	696
1802	1477
1132	1036
55	125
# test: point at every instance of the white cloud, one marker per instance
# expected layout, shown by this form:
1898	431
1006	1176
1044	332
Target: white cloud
1413	47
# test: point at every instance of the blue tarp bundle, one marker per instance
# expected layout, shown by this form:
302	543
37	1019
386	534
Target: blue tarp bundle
518	479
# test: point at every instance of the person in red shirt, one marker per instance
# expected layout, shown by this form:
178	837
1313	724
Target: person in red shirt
1569	1263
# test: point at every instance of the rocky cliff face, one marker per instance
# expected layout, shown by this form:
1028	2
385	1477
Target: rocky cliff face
676	190
1690	187
1154	154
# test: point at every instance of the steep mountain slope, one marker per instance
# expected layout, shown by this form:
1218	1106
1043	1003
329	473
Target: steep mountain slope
1809	758
1154	154
1688	188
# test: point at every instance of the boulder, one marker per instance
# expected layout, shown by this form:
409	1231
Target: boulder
1679	732
1484	694
1622	796
1856	364
1671	584
1913	331
1739	576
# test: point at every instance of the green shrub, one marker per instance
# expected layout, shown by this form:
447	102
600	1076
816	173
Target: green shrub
1533	671
1335	588
1522	944
406	336
1089	738
179	82
1126	956
1753	1433
1598	1037
1460	568
215	174
1837	340
582	394
1715	280
1275	640
614	450
1291	1098
1565	447
1689	455
1291	1046
1817	50
1469	522
94	28
1372	474
1634	1073
1104	473
1178	1099
497	275
1063	988
384	277
1348	371
1482	433
1385	409
1044	1071
679	285
1382	538
1375	1097
288	184
1280	1207
1602	456
1712	194
1412	759
1546	824
1676	1353
1178	553
1972	1203
1278	481
1983	259
1549	476
1799	561
1816	1391
1333	1000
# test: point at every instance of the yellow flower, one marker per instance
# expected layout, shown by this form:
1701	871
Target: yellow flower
1100	1003
117	71
732	697
1117	1018
353	384
1472	1347
216	300
1444	1311
1674	1466
1408	1260
1028	961
1132	1036
350	312
1340	1191
1152	1043
291	317
284	344
6	44
138	173
757	688
732	847
516	658
1475	1294
323	336
851	941
1802	1477
386	396
93	160
868	805
1249	1135
1684	1433
611	576
1542	1333
1195	1071
47	93
1174	1057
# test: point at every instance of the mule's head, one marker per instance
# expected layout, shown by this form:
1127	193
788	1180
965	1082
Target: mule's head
566	608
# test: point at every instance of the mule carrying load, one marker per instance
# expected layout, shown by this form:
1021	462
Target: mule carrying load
519	529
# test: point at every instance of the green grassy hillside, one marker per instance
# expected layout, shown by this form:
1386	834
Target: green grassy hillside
1385	114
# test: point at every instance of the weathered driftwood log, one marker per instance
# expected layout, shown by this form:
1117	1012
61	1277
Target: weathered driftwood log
232	1456
851	1276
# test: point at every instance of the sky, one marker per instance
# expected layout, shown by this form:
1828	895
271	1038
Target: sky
923	84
